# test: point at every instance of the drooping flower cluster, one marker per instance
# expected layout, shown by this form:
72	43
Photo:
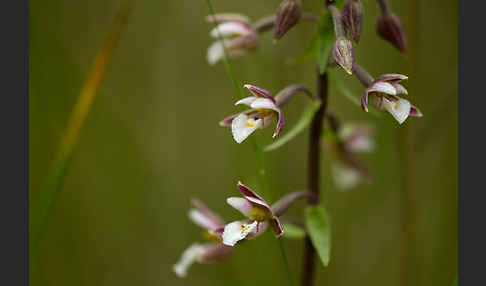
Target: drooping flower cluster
260	215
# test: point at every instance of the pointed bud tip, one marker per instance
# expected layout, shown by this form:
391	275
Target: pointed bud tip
288	14
352	16
390	28
343	54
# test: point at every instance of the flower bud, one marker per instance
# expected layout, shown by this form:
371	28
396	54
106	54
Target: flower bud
352	17
390	28
288	14
343	54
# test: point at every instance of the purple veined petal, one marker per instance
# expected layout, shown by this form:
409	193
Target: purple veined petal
280	124
400	88
227	121
228	29
247	100
364	101
383	87
211	253
228	17
265	103
259	92
252	196
241	204
276	226
247	41
279	207
259	230
202	220
414	111
392	77
268	119
215	220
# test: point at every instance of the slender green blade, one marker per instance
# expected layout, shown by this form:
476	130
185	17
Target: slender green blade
304	120
319	229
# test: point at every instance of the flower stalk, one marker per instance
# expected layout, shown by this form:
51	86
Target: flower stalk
313	170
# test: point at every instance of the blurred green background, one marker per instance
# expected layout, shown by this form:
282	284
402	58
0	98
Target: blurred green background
152	141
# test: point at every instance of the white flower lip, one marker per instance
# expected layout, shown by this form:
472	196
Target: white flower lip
243	126
236	231
399	109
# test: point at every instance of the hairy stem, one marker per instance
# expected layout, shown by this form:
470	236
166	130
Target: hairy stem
313	170
362	75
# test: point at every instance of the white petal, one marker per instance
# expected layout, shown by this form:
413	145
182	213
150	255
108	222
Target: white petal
242	126
236	231
246	101
201	220
383	87
187	258
241	204
228	29
215	52
345	177
264	103
399	109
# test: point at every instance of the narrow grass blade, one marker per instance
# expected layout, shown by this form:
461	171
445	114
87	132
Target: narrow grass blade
78	117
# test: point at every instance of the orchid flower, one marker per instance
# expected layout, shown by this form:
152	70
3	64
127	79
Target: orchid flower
263	109
260	215
237	34
346	168
207	252
384	91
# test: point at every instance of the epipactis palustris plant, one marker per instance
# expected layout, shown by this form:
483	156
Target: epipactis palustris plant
235	35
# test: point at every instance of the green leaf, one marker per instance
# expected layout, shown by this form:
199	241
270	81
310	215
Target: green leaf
304	120
292	231
319	229
348	94
325	39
